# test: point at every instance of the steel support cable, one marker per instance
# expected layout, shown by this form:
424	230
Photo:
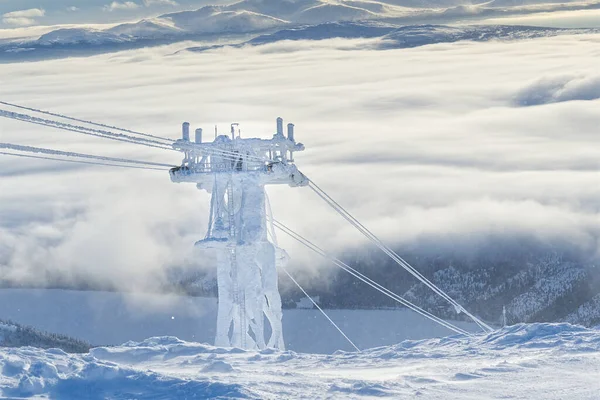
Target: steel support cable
224	152
369	281
320	309
353	221
232	154
79	161
227	155
397	258
97	135
402	263
271	228
86	131
91	133
84	121
271	221
30	149
27	118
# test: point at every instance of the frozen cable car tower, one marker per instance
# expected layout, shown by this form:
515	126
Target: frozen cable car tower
235	170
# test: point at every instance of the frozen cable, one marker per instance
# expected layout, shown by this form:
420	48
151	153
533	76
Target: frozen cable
84	130
320	309
369	235
30	149
78	161
368	280
230	155
84	121
270	220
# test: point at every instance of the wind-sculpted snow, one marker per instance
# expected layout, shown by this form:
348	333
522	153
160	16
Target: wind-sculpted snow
33	372
522	361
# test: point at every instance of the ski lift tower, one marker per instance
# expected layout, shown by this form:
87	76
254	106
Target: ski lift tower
235	170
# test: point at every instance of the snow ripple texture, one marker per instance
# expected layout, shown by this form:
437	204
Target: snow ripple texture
549	361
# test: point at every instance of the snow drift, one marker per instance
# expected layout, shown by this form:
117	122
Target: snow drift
526	361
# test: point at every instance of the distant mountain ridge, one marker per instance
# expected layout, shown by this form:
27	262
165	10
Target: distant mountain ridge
531	281
278	18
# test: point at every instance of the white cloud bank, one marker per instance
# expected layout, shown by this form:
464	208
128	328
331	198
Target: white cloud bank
131	5
430	142
116	5
23	17
560	88
151	3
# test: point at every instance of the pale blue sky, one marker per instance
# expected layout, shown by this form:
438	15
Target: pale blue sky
88	11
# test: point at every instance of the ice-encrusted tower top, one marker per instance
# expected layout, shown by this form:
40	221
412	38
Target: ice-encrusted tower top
235	170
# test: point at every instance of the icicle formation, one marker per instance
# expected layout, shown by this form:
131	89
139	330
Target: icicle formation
235	172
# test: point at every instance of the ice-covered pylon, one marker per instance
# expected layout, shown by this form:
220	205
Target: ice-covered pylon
235	171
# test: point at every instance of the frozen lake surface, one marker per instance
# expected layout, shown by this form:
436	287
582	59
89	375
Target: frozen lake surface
106	318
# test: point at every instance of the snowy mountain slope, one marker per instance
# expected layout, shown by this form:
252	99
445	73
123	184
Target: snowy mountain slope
213	20
284	9
587	314
146	29
544	288
392	37
542	361
331	30
69	36
328	12
207	20
17	335
267	16
419	35
534	282
547	290
316	11
6	329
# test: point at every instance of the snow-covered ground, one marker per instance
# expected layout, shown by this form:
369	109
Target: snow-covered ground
105	318
538	361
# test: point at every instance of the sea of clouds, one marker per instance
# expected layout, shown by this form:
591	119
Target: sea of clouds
459	142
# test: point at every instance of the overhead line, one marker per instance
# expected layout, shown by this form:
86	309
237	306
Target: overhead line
79	161
369	235
86	131
360	276
31	149
84	121
320	309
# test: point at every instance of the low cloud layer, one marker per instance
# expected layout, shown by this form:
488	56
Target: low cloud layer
116	5
431	142
23	17
558	89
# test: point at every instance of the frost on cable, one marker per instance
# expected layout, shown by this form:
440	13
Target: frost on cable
235	170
